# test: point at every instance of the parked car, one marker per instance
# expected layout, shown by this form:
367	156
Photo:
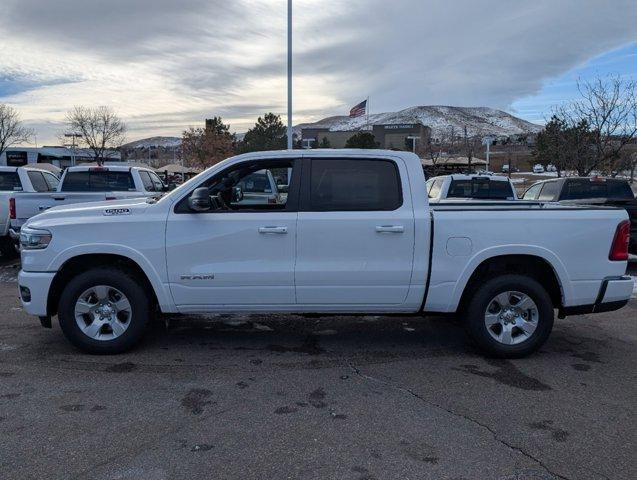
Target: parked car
470	187
356	234
19	180
537	168
85	184
589	191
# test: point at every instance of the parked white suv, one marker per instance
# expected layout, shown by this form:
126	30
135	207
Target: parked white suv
355	234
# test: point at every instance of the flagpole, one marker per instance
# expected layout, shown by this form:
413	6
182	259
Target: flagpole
290	75
367	108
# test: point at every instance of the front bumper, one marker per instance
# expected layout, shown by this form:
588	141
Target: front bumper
34	291
614	293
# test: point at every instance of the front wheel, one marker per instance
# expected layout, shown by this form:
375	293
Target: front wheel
510	316
104	311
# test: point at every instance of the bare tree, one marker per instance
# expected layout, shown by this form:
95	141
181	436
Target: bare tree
471	145
11	129
432	150
608	107
100	129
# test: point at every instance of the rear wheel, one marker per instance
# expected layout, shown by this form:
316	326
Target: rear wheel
104	311
510	316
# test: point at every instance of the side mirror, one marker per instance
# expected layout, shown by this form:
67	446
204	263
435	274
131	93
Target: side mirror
237	194
199	200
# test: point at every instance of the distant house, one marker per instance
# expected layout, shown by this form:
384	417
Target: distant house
59	156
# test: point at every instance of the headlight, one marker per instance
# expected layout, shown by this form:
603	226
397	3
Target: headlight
34	239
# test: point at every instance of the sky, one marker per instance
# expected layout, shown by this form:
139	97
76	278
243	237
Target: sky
165	65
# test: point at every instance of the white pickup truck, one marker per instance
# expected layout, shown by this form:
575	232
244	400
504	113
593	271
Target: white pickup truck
355	234
460	187
86	184
19	180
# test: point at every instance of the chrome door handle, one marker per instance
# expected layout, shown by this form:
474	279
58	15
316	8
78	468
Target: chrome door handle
44	207
58	198
278	230
390	229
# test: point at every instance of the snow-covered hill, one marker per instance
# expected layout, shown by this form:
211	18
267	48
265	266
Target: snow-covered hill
441	119
154	142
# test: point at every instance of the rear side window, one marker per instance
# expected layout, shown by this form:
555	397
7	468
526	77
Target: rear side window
532	193
52	181
549	191
436	185
98	181
347	185
38	182
482	188
149	186
9	181
585	188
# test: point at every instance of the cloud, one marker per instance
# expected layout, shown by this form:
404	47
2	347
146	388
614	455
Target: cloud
165	65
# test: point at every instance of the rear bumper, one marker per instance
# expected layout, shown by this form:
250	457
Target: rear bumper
34	291
614	293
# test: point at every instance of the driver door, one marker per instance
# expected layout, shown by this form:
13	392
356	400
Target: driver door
240	254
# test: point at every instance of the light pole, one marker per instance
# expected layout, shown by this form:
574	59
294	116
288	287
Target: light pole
290	145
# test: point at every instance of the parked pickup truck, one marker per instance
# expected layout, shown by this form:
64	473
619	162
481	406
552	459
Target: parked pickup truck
470	187
19	180
589	191
355	234
86	184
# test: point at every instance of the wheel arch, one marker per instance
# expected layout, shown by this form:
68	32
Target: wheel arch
551	275
83	262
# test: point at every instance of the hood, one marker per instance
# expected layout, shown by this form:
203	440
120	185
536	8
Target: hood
75	211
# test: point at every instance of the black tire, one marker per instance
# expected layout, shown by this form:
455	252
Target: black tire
130	286
479	302
8	248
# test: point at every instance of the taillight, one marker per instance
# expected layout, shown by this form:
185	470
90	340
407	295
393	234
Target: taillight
12	215
619	248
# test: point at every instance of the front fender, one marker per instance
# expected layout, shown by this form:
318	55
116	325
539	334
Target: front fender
164	297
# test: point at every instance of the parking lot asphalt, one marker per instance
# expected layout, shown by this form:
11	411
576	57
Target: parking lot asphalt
278	397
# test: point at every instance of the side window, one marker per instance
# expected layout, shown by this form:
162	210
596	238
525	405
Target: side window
52	181
248	186
149	186
38	182
549	190
158	184
435	188
532	193
350	185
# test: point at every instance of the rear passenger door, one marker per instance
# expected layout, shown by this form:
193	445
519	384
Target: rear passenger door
355	233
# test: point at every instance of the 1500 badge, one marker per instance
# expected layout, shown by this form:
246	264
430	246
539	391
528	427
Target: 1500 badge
117	211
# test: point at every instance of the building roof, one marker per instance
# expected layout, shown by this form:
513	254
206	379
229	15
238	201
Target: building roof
453	161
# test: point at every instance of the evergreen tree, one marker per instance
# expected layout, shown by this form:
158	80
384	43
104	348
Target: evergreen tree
268	133
325	143
362	140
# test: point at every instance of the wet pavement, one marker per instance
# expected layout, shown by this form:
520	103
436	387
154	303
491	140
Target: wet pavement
277	397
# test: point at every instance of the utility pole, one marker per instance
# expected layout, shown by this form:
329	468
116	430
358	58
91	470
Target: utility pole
73	136
290	144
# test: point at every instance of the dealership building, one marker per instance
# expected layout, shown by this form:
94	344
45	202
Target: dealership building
398	136
59	156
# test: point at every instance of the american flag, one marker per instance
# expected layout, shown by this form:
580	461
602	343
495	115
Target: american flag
359	110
